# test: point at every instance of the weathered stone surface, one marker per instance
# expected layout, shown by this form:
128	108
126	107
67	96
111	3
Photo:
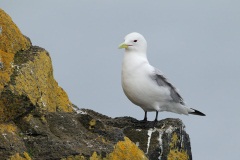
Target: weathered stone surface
59	135
38	121
166	139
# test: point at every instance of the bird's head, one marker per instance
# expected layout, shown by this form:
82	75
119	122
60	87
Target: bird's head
134	42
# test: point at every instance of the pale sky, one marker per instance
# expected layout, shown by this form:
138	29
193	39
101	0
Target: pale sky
195	43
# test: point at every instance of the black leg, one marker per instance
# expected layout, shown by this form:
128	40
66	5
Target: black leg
156	118
145	116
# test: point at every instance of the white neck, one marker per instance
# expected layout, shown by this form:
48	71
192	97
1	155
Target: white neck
135	54
132	59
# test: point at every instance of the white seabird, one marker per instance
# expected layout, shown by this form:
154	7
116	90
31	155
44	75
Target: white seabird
145	85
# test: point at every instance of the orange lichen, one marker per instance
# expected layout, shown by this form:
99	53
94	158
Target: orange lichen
126	150
11	38
175	153
6	69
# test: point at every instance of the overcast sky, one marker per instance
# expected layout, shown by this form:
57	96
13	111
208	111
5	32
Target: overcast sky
195	43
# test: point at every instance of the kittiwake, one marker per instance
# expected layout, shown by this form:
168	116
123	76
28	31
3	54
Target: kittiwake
145	85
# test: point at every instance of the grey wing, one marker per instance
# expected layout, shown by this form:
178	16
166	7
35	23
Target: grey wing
162	81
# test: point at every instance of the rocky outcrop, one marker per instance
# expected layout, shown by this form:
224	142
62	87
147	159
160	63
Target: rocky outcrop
27	82
38	121
61	135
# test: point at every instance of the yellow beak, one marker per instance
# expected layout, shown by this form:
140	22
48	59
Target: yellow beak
122	45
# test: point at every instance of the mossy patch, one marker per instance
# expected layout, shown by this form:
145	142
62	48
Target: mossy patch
11	38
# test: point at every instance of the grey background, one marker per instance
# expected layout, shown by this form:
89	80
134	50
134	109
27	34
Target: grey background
195	43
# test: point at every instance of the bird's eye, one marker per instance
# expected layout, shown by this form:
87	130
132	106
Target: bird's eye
135	41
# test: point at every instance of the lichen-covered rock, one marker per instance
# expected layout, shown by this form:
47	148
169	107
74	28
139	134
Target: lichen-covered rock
11	142
38	122
166	139
23	156
6	69
26	76
11	38
126	150
33	76
27	86
88	134
31	86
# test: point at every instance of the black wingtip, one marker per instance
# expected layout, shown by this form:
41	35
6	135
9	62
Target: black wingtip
196	112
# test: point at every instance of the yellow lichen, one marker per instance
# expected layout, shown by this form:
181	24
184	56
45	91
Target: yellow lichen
92	123
78	157
126	150
123	150
10	133
11	41
62	102
175	153
104	140
43	119
36	81
173	140
17	156
6	69
95	156
28	117
26	156
11	38
7	128
26	76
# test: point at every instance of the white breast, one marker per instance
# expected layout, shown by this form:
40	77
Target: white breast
138	85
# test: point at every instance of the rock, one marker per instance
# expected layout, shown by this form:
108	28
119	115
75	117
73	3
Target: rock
11	38
60	135
38	121
162	140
